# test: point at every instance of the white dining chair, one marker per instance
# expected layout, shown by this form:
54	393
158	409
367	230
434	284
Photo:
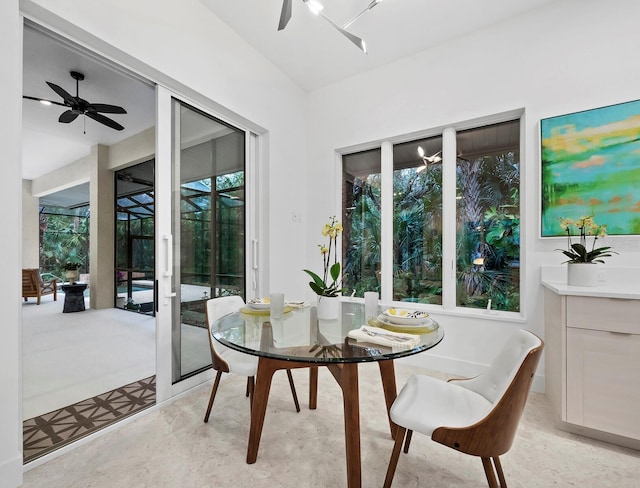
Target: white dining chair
478	416
227	360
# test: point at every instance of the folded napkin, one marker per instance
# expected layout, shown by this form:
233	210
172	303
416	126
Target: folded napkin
382	337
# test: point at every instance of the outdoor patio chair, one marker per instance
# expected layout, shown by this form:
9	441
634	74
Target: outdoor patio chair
33	286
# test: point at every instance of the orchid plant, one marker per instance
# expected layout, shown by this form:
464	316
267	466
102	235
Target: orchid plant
578	252
329	284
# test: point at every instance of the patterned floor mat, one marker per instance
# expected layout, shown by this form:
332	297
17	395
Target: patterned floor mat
50	431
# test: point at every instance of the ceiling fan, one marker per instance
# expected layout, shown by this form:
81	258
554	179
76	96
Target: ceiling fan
433	159
78	106
316	7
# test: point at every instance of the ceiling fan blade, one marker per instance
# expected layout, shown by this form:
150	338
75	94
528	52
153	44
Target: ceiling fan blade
285	15
104	120
68	116
106	108
69	100
355	39
44	100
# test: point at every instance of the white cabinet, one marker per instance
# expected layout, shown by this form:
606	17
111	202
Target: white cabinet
592	363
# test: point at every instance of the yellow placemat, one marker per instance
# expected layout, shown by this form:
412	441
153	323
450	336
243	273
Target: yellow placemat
263	311
413	329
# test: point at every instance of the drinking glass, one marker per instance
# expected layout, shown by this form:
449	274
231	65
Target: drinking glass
276	301
370	305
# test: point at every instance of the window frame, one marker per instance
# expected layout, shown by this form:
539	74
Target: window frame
449	282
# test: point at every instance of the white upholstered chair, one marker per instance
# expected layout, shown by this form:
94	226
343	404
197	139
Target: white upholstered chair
478	416
226	360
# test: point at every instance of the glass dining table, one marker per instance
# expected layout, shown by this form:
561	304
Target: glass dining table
300	340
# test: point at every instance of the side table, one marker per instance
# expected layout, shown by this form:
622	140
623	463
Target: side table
74	297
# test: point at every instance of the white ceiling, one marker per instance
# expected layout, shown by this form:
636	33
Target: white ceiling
314	54
309	50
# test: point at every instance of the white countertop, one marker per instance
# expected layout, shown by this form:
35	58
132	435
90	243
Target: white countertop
617	283
602	291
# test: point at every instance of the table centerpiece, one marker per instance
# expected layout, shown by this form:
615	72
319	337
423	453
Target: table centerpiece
328	287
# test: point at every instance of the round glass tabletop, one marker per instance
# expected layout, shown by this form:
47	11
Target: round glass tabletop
299	336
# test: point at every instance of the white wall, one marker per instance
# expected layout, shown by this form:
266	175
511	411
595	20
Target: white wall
11	203
570	55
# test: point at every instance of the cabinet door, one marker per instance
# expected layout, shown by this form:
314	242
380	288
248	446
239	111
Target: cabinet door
603	381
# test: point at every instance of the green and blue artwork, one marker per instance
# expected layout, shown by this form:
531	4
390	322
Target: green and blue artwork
591	165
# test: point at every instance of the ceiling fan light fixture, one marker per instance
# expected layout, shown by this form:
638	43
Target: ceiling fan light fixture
433	159
315	6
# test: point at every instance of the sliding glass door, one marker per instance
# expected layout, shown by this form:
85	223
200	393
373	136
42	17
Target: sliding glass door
135	238
207	229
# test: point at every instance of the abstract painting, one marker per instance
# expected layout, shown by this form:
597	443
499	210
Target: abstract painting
591	166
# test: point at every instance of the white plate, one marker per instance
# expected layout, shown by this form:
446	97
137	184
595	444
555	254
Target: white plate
403	316
426	323
259	303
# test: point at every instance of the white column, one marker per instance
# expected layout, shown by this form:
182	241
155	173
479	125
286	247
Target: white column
30	227
101	231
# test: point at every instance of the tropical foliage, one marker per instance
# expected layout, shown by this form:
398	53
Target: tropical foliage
417	235
487	239
362	239
488	231
64	239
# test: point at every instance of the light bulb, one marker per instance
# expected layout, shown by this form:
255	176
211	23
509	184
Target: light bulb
314	6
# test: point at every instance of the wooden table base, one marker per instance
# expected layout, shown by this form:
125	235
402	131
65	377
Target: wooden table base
346	374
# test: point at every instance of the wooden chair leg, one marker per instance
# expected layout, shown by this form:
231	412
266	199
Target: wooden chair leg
498	465
293	390
213	395
393	462
490	473
407	441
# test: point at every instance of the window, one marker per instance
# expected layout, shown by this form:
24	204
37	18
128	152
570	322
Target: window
361	205
472	174
488	217
417	222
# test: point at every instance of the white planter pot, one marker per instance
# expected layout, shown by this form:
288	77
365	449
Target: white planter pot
328	307
582	274
71	275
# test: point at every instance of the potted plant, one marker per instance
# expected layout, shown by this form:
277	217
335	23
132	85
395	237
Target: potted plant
328	287
71	271
579	253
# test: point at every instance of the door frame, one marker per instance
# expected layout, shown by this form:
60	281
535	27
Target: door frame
255	227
